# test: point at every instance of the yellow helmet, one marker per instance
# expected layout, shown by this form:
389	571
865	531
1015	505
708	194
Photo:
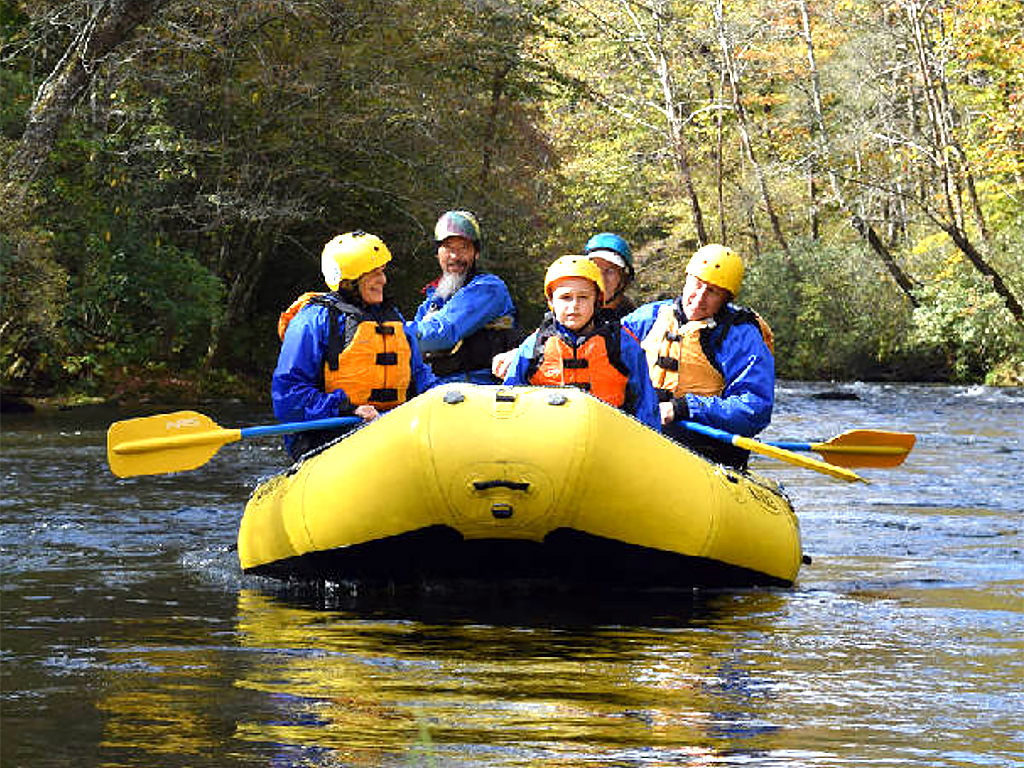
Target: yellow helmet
352	255
574	266
717	265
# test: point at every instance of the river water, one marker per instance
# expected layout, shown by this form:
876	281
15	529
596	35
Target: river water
129	637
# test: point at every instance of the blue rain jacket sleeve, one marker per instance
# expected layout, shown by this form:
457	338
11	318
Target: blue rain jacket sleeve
422	377
469	309
296	388
645	408
748	367
641	320
515	376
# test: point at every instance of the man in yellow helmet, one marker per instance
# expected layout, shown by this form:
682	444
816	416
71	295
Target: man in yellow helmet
346	352
710	361
578	346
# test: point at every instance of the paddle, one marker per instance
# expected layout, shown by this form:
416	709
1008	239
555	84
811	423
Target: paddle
766	449
175	442
859	448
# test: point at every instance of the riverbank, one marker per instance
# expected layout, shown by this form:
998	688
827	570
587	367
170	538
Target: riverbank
137	386
142	386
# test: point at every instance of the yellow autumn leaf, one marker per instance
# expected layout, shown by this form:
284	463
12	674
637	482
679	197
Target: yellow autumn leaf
929	243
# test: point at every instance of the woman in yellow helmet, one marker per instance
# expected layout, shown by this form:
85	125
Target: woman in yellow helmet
711	361
345	352
575	346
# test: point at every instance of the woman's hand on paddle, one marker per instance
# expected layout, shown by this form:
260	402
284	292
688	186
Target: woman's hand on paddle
668	412
367	412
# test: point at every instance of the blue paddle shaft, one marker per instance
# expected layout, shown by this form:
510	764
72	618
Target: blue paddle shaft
717	434
792	446
728	437
289	428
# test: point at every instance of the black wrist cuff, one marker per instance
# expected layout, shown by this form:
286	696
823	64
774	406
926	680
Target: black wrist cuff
680	409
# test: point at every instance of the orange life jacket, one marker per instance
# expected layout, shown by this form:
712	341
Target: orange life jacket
371	362
293	310
594	365
680	357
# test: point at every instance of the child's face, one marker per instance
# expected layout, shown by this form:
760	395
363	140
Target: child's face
573	300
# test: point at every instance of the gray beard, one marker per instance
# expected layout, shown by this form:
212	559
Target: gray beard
449	283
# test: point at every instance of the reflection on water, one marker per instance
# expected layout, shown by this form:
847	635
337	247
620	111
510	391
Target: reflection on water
129	637
362	686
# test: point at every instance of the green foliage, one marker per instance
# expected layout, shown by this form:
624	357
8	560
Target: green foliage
17	97
835	314
142	300
967	321
987	74
961	315
212	156
32	302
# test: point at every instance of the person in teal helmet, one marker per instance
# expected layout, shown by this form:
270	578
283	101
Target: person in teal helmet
613	256
468	314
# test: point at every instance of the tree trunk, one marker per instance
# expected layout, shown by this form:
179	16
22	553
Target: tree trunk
863	228
871	236
677	137
491	132
949	155
998	285
940	138
952	160
112	23
813	219
239	300
742	123
719	155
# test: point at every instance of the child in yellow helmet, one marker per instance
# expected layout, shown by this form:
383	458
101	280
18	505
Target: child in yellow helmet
574	346
614	258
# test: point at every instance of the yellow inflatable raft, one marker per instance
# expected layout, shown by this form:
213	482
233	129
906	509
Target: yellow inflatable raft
526	482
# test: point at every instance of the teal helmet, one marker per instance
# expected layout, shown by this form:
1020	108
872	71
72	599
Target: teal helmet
458	224
609	246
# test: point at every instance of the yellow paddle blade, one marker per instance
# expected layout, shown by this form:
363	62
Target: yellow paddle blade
168	442
867	448
795	458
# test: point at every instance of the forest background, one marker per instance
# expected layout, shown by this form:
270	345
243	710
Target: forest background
171	170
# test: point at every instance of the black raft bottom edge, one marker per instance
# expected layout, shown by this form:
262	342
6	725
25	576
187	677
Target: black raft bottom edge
567	556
